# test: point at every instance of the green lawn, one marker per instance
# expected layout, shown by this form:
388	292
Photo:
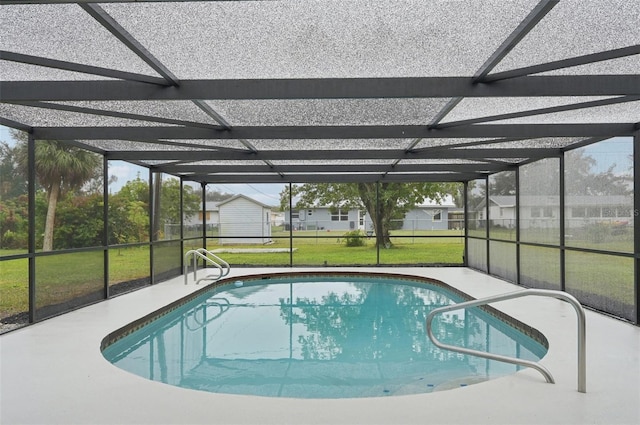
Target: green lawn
67	276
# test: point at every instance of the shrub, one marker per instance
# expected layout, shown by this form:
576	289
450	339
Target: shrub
355	238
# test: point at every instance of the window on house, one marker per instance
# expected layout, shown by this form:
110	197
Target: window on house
339	215
437	216
535	212
578	212
295	214
593	212
547	212
624	211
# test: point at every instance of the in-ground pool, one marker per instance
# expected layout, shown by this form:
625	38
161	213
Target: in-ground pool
319	336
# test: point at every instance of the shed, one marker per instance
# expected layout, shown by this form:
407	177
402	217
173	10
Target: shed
243	220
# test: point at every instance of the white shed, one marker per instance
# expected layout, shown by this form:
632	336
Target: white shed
243	220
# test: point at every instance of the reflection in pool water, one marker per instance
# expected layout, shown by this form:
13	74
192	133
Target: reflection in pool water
310	337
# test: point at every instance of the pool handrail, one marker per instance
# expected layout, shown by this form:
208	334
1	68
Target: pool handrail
210	302
223	267
582	363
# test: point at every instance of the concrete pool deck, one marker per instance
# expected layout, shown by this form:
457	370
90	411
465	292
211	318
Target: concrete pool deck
53	372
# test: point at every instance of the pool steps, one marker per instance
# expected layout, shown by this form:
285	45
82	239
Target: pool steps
222	267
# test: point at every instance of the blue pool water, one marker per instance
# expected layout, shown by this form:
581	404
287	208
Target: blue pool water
319	337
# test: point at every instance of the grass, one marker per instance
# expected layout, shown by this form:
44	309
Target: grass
67	276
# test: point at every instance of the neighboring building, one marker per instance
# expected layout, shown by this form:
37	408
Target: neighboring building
193	224
430	216
544	211
325	218
243	220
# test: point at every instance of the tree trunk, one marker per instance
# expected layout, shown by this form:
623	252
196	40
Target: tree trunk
54	193
380	215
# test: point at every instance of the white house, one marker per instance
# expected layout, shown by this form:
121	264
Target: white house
242	220
429	216
543	211
326	218
208	213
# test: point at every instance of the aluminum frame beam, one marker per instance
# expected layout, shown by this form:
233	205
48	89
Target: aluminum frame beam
565	63
325	88
331	178
542	111
388	154
527	24
81	68
522	131
329	168
100	15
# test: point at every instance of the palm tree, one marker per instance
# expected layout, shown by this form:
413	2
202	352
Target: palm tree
60	167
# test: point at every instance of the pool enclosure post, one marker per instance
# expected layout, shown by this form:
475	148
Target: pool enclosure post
636	226
378	223
486	223
465	209
290	226
561	214
151	207
517	224
203	196
31	169
105	223
181	221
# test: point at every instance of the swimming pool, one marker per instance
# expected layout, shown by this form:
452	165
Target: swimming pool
318	335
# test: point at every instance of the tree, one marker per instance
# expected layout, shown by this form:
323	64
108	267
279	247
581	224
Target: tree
13	182
383	201
129	209
59	168
129	213
503	184
216	196
584	178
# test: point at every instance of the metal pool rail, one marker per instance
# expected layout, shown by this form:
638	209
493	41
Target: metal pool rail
209	257
582	362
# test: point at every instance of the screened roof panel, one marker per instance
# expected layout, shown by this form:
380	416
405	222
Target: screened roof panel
65	32
337	144
323	90
177	110
625	65
127	145
578	27
335	162
439	143
548	142
311	39
218	163
42	117
329	111
470	108
217	143
15	71
441	161
623	112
